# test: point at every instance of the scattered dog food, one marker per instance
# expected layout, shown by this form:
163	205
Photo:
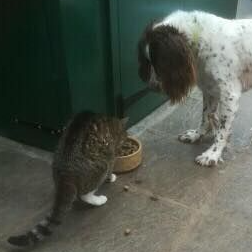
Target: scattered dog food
138	181
126	188
127	231
154	197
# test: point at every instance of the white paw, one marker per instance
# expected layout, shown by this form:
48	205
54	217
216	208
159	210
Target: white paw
112	178
208	158
189	136
99	200
93	199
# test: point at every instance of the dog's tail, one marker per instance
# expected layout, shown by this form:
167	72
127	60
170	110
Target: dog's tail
65	195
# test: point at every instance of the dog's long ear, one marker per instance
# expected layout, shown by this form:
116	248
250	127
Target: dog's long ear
144	65
173	61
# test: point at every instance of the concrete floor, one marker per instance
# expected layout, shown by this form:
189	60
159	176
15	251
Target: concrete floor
198	209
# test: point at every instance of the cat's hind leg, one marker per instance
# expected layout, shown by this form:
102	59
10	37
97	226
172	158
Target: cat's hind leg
93	199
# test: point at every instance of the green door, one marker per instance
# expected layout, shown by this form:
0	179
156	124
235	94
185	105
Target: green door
33	81
86	41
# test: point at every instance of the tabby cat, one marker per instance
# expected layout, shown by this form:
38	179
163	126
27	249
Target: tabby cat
83	160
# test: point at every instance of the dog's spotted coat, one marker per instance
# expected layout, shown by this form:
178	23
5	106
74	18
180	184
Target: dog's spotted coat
223	57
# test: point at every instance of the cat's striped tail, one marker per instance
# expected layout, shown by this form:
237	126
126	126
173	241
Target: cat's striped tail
65	195
38	233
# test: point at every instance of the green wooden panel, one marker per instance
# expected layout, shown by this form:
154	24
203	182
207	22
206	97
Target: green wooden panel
129	20
34	87
86	37
56	61
34	81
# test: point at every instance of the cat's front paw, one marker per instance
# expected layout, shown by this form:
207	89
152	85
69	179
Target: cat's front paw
112	178
189	136
209	158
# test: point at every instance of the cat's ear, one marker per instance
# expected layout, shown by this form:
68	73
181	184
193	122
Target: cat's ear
124	121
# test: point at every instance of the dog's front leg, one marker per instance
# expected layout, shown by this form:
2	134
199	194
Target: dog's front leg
209	106
222	128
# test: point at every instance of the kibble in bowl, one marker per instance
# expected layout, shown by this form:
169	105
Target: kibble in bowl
129	156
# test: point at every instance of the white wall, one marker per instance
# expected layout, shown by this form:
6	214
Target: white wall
244	9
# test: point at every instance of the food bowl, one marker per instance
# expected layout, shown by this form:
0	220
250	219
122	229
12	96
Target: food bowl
129	162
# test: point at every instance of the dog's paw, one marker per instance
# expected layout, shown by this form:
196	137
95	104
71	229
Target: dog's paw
209	158
189	136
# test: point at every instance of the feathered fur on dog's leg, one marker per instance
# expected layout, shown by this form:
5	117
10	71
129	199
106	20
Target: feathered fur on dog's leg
191	136
229	104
